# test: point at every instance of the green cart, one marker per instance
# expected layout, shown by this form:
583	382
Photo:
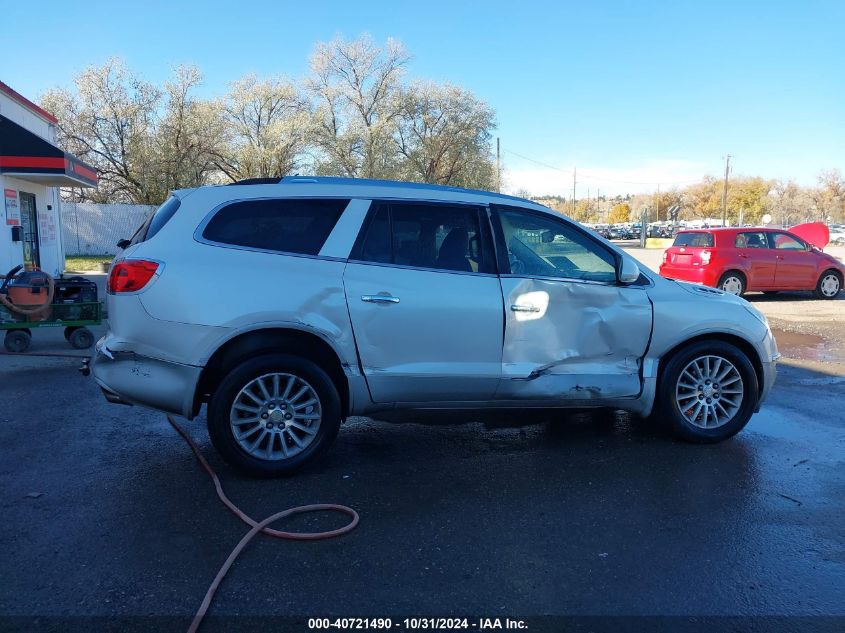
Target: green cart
73	317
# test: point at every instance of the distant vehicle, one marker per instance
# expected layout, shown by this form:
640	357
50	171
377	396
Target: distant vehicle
741	259
287	306
837	234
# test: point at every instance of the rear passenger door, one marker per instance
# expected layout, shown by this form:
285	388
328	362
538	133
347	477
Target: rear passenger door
756	258
425	303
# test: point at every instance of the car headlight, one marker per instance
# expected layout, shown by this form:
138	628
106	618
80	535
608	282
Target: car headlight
757	314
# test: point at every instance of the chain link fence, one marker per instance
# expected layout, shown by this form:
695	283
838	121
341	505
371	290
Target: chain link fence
94	229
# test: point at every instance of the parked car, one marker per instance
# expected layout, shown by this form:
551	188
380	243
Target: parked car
737	260
837	234
287	307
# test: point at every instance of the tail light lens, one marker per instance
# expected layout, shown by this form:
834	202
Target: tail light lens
131	275
705	257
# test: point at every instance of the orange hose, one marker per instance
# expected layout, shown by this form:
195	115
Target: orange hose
257	526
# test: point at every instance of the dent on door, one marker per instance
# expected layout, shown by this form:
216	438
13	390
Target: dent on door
571	340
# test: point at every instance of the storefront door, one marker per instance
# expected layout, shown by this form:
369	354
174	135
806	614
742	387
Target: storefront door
29	225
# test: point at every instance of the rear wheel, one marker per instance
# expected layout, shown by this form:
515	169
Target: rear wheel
733	282
707	392
17	341
829	285
272	414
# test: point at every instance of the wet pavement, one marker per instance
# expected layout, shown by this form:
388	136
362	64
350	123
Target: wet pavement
106	513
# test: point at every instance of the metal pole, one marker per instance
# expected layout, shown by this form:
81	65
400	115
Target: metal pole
498	167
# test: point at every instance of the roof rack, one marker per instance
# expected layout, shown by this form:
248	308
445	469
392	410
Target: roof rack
255	181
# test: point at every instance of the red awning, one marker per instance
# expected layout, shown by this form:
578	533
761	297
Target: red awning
27	156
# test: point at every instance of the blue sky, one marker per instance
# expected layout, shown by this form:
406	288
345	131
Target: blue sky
633	93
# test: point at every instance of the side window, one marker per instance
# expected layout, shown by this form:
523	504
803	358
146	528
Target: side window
283	225
438	236
156	221
547	247
751	240
782	241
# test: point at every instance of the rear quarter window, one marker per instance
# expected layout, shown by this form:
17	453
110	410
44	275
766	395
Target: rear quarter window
156	221
281	225
702	240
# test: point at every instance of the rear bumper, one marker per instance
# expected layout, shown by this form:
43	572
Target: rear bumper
127	378
704	275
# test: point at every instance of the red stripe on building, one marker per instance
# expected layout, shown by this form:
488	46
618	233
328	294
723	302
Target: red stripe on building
32	162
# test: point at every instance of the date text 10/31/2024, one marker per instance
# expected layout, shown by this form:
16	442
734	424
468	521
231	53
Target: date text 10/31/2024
480	624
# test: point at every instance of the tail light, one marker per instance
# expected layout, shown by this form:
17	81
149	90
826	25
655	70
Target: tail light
131	275
665	256
705	257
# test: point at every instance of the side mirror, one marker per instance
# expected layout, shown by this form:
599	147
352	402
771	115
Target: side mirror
547	236
122	244
628	272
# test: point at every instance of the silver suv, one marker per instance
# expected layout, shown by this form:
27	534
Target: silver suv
287	306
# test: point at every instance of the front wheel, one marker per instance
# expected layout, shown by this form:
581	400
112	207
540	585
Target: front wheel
707	392
829	285
272	414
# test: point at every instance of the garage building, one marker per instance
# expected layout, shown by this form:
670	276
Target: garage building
32	169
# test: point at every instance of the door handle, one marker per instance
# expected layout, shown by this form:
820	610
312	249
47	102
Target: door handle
379	299
743	255
524	308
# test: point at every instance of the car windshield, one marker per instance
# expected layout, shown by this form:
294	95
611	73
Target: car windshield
694	239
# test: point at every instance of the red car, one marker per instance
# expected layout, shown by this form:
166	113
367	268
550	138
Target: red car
741	259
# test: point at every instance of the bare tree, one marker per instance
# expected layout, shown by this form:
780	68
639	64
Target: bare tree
107	121
443	136
268	128
356	89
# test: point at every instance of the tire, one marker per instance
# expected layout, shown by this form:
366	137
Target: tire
17	341
829	285
69	331
283	456
735	280
689	413
81	338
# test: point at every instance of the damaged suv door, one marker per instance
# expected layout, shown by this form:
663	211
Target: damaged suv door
573	331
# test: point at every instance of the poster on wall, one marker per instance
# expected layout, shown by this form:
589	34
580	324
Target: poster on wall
13	209
46	227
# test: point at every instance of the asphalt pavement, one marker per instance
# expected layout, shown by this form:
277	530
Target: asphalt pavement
106	515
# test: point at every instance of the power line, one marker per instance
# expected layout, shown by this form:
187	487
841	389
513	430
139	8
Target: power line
589	177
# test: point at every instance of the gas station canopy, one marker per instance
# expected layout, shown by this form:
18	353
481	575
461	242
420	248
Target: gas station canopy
27	156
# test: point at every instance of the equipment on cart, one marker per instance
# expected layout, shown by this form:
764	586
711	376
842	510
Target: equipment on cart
34	299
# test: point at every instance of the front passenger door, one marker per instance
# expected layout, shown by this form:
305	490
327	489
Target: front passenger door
571	331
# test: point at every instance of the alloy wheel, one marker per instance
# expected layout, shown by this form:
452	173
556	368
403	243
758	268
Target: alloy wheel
275	416
709	392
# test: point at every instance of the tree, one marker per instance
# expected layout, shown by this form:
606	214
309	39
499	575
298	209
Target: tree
268	123
357	89
443	136
142	140
620	213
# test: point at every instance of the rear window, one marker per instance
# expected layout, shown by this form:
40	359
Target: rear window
156	221
694	239
286	226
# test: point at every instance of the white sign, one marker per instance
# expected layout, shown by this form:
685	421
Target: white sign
13	209
767	219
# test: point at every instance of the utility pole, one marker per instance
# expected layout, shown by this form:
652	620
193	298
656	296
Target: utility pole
574	173
657	206
725	192
498	167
